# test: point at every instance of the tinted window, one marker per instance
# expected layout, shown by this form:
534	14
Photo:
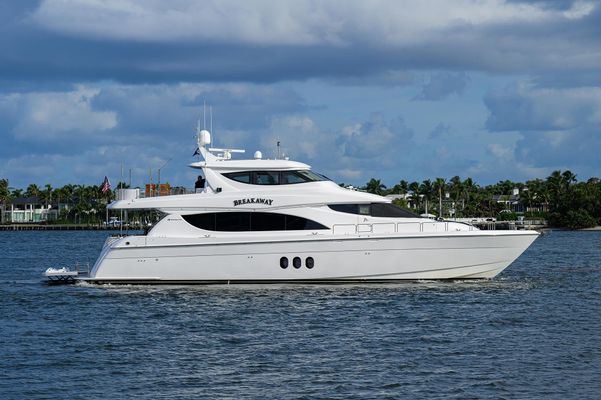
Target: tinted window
267	221
374	209
294	223
390	210
311	176
364	209
275	177
345	208
290	177
232	221
202	221
243	177
266	178
250	221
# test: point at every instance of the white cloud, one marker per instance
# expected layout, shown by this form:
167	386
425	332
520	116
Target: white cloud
299	136
298	22
528	108
44	116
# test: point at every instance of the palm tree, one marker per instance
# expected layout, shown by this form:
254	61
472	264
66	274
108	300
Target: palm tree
568	177
439	186
414	189
400	188
426	190
46	195
32	191
4	191
375	186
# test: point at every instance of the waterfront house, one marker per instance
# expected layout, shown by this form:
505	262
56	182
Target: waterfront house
511	201
29	210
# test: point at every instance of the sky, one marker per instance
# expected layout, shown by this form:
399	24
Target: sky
385	89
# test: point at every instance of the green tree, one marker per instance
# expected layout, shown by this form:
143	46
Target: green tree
400	188
375	186
32	191
4	191
439	188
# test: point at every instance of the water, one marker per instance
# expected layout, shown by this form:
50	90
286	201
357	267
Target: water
533	332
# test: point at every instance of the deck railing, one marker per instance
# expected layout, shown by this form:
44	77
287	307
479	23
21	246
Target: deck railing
390	227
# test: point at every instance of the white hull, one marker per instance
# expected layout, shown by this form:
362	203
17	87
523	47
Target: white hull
344	258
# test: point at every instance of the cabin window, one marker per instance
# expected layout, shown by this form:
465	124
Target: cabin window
250	221
390	210
232	222
275	177
364	209
268	222
266	178
243	177
291	177
386	210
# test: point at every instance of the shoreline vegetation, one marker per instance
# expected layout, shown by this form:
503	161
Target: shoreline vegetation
560	199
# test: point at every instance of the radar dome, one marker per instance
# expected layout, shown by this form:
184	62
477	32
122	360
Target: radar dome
204	138
258	155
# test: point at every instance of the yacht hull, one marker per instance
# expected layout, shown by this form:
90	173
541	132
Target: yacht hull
373	258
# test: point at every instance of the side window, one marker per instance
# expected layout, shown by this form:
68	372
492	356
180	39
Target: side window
250	221
243	177
266	178
345	208
374	210
202	221
390	210
232	221
294	223
260	221
290	177
364	209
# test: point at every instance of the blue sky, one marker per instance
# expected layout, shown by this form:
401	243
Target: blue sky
389	89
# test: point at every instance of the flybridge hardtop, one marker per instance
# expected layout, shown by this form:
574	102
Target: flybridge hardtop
233	197
286	183
264	221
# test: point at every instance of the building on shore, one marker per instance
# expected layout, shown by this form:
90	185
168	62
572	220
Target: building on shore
29	210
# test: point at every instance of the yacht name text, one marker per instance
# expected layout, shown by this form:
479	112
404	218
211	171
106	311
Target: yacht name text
253	200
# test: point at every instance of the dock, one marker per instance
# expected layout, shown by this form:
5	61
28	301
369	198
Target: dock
61	227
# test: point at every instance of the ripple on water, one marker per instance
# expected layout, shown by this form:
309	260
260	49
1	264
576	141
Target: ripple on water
531	333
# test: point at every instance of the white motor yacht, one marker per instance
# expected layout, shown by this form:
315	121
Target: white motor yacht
274	220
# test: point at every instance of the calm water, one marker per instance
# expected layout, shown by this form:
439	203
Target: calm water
534	332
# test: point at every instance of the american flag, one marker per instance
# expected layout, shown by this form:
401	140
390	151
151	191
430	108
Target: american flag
106	185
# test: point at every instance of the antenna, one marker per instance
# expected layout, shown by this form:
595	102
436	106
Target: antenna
204	115
278	145
211	116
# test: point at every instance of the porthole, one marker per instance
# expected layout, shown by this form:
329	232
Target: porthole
296	262
309	262
284	262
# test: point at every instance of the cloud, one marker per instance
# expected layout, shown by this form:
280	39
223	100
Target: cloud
300	23
120	80
526	108
142	126
442	85
50	116
439	131
375	138
261	41
299	137
559	128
